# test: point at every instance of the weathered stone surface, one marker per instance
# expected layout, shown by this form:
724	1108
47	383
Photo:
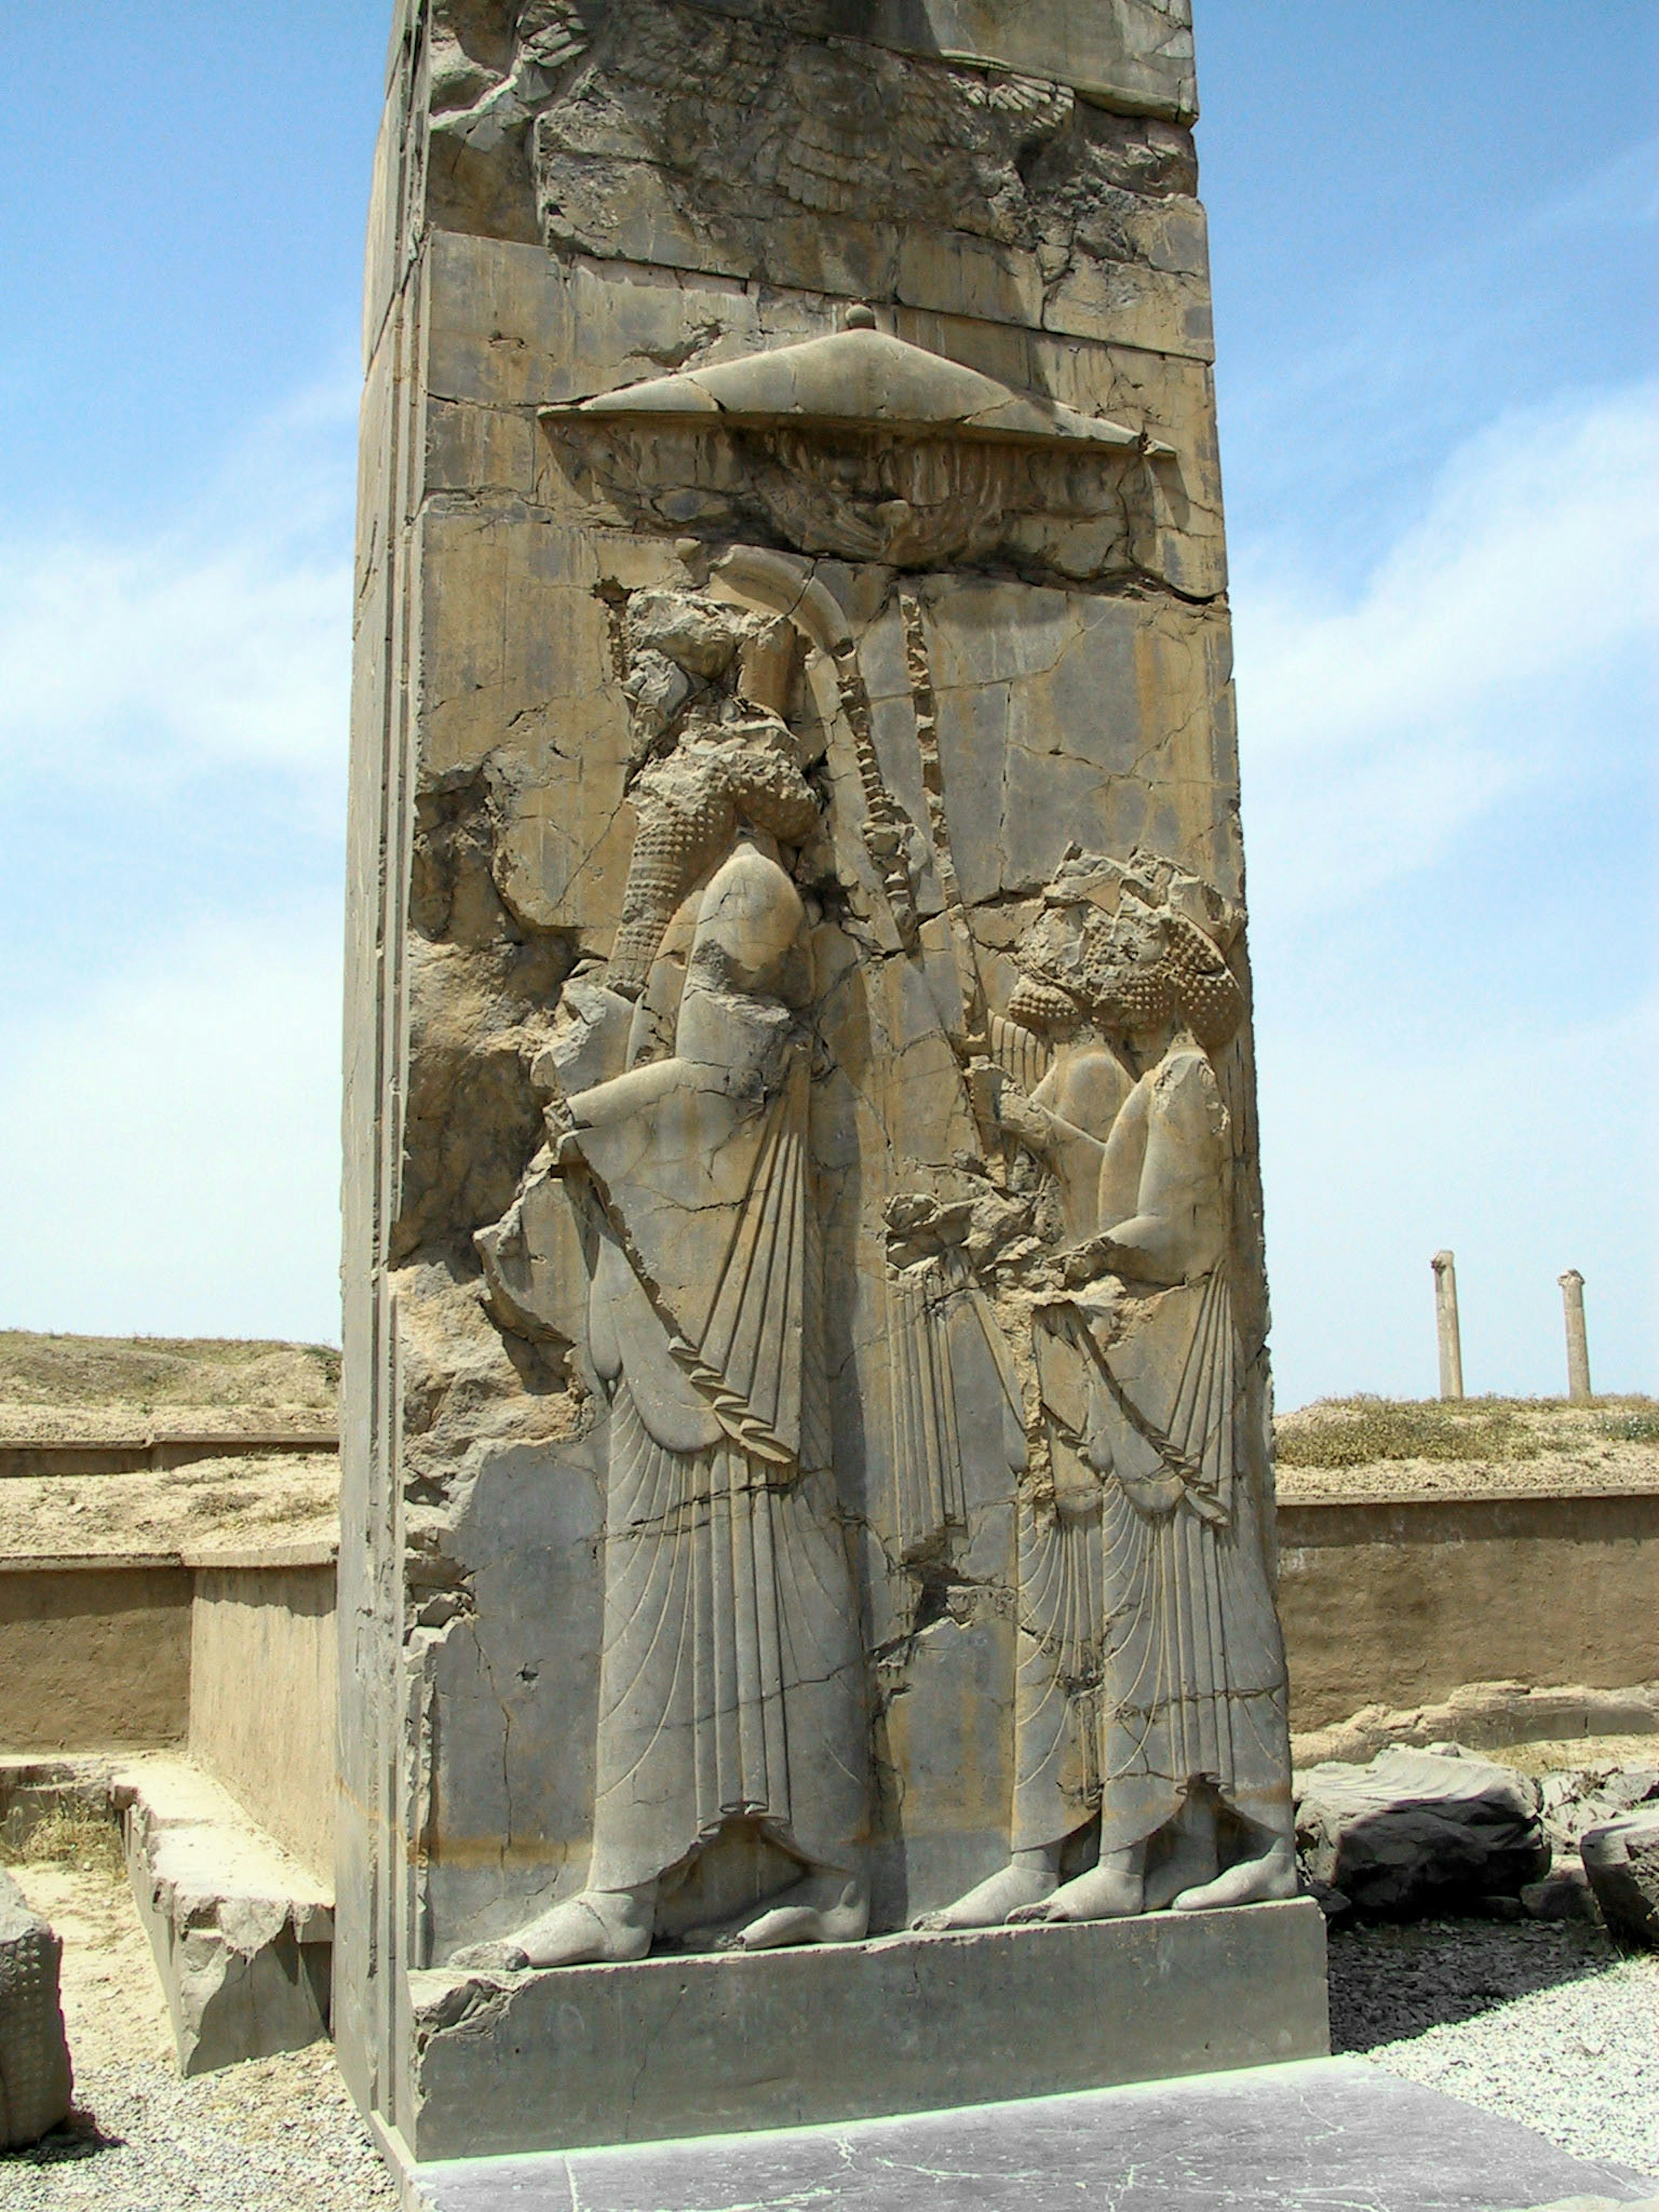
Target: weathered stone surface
241	1933
804	1439
1319	2132
1135	55
1482	1715
741	144
1622	1860
1415	1833
36	2080
696	2046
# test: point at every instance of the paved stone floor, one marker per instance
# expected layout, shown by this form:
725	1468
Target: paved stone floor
1322	2135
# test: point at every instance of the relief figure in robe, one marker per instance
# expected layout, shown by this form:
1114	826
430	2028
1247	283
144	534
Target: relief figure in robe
1151	1689
731	1681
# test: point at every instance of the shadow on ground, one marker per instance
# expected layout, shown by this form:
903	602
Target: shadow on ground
78	2136
1391	1982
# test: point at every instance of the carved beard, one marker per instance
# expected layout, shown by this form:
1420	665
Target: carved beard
1037	1005
1203	984
1142	998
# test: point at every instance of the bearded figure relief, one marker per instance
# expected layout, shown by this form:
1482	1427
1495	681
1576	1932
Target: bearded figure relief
731	1694
1152	1690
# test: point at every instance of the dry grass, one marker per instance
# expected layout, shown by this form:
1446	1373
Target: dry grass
70	1835
1365	1431
141	1375
293	1495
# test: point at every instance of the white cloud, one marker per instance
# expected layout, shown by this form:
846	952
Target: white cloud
171	1142
220	638
1499	638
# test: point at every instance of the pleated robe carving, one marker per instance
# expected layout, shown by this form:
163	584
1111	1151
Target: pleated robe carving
1150	1656
731	1681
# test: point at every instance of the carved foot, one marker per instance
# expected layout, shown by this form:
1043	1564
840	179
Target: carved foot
990	1902
820	1908
1252	1881
1104	1892
599	1927
1191	1861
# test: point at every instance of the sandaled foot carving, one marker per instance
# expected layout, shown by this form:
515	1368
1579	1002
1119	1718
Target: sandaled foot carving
1251	1881
1104	1892
990	1902
820	1908
599	1927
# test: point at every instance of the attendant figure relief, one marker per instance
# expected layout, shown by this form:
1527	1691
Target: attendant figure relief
1150	1692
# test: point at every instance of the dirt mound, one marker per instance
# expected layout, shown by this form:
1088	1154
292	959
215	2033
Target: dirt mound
87	1386
1467	1447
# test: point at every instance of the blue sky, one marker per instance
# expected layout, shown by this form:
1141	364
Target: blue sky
1432	229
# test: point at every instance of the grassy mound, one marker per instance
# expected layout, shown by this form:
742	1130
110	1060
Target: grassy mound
1364	1431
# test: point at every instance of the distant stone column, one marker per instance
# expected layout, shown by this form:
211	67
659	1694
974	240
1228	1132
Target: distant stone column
1572	1304
1445	1316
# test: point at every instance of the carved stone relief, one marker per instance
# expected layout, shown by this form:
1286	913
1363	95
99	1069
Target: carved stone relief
745	146
920	1407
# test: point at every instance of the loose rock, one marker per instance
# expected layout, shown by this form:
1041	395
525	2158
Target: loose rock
36	2080
1421	1831
1622	1861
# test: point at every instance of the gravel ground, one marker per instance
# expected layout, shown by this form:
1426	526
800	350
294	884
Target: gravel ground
275	2133
279	2133
1546	2024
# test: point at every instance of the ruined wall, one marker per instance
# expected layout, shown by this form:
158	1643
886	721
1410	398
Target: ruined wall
1398	1603
263	1690
94	1654
963	573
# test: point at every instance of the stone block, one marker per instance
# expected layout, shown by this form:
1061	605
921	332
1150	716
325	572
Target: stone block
36	2084
1622	1860
1417	1832
796	926
241	1933
690	2047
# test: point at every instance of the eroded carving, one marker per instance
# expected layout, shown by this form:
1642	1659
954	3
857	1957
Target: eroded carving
862	446
732	1676
1151	1694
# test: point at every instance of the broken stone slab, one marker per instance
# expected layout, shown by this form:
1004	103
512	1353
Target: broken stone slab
1417	1832
1581	1798
242	1934
1622	1861
1485	1716
36	2080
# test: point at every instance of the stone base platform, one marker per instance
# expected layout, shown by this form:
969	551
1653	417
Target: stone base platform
1313	2136
676	2047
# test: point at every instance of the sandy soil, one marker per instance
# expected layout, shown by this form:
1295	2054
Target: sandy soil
1562	1754
94	1386
287	1497
113	2008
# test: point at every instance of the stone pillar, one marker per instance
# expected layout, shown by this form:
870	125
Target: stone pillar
1572	1306
1445	1322
794	808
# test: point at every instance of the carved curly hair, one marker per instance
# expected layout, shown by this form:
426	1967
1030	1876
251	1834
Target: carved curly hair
1070	964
